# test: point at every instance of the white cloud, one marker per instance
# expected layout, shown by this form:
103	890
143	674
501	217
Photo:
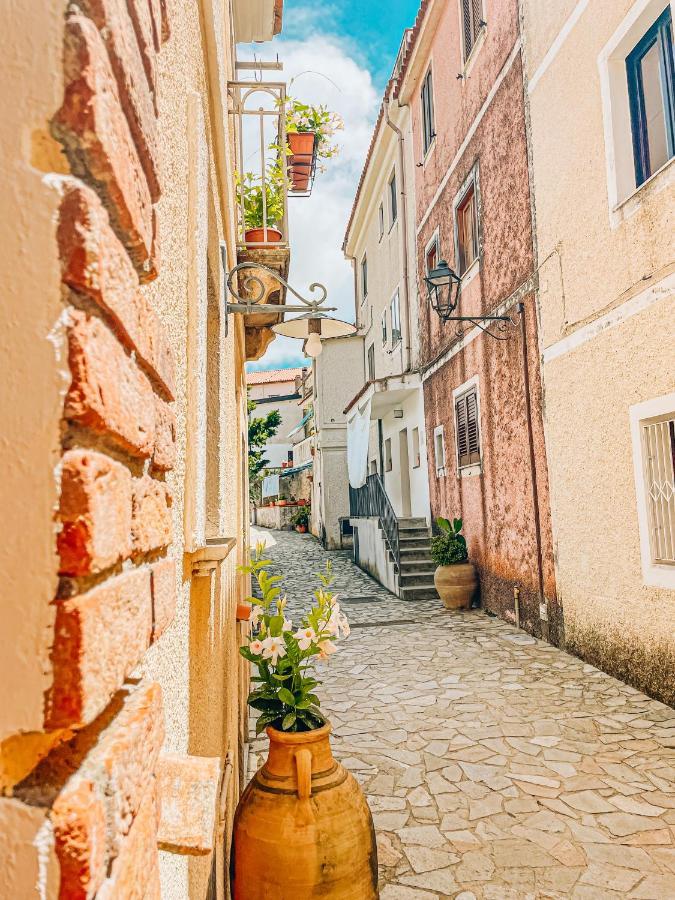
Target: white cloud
324	69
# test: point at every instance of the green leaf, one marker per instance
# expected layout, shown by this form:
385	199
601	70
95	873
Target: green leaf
289	720
286	696
457	525
443	524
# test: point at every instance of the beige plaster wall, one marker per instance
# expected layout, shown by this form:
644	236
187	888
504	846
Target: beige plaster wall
596	264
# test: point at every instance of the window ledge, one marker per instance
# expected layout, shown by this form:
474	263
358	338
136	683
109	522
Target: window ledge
440	473
654	184
475	50
470	471
471	272
392	225
430	150
207	558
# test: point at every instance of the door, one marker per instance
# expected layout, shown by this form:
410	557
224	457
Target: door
405	472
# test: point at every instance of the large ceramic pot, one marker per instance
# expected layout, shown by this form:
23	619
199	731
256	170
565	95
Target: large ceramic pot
303	828
456	584
301	145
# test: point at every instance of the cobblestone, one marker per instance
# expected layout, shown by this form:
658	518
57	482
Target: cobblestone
496	765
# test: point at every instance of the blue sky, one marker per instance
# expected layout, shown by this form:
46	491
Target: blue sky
337	52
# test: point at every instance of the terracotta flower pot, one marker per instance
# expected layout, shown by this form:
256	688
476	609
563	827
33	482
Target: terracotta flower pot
281	503
303	828
456	584
301	144
257	236
243	612
301	529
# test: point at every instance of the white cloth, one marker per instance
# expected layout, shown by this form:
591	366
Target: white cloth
358	434
270	486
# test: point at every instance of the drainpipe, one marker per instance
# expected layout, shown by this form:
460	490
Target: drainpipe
533	468
404	227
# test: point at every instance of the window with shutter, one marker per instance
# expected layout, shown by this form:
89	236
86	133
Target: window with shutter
468	431
472	18
467	229
427	98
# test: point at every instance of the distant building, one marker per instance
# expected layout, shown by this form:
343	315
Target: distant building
277	389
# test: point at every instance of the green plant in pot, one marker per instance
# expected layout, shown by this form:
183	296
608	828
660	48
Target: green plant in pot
455	577
301	520
309	132
302	827
256	214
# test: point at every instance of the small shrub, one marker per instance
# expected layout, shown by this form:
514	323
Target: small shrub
449	547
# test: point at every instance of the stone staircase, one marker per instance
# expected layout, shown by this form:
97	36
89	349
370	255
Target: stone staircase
416	568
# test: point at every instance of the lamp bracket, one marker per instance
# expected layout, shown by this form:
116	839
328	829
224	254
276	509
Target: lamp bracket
502	325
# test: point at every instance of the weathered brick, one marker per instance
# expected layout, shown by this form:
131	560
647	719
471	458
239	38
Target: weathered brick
151	521
163	596
188	788
141	16
132	871
164	456
97	138
99	637
94	263
108	393
112	19
79	820
95	512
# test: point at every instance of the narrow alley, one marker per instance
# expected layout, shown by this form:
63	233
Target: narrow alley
495	765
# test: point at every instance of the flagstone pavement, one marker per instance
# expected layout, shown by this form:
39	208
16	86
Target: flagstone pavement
495	765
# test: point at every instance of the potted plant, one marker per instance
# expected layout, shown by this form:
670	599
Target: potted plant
302	827
256	215
309	130
281	502
301	520
455	577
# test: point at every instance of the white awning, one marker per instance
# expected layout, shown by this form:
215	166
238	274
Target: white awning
358	434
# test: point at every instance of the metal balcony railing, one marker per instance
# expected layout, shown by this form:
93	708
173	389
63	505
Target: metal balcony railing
372	500
259	113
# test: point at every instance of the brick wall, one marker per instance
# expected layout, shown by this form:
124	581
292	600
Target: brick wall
91	808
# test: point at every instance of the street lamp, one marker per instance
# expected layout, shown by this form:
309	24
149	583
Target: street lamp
443	286
311	326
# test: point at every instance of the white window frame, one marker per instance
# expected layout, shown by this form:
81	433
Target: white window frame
624	198
439	431
434	239
473	178
653	574
475	468
393	219
363	267
380	220
416	448
384	329
395	297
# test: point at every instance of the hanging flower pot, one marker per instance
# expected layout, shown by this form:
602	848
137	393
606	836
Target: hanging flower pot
303	828
301	161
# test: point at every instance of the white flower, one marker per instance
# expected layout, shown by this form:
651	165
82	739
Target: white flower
304	637
273	648
255	616
327	648
287	626
255	647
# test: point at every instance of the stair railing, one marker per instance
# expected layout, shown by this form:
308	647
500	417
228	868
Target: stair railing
372	500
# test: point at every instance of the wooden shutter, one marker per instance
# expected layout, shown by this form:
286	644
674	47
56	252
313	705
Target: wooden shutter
468	434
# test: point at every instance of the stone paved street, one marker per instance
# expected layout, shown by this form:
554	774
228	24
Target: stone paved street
496	766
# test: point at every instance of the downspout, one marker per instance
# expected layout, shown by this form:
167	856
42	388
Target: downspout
533	467
404	227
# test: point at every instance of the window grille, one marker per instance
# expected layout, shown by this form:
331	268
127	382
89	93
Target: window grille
468	434
472	19
658	442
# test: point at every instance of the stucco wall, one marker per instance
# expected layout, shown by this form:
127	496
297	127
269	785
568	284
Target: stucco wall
371	554
607	322
412	408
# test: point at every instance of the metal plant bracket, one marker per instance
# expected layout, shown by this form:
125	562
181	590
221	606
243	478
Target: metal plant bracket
251	304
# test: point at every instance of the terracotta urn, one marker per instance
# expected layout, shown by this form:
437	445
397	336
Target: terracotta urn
456	584
303	828
301	529
257	235
301	144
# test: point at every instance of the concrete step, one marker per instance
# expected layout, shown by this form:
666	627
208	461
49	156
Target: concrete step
417	579
412	522
408	566
418	593
408	543
414	553
413	531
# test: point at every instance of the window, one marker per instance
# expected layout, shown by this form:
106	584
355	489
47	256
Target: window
428	131
651	91
472	22
384	327
415	448
395	320
388	465
466	427
439	450
431	256
393	208
373	467
653	438
380	218
364	278
467	230
371	362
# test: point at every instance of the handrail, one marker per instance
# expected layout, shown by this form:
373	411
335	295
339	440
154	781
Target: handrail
372	500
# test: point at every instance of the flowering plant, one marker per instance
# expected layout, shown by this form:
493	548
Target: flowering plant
303	117
249	191
284	657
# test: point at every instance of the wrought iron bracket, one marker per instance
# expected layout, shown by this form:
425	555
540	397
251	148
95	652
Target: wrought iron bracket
503	323
250	305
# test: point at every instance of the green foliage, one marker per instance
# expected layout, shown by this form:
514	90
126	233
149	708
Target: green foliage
449	546
260	430
250	189
285	694
304	117
301	517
